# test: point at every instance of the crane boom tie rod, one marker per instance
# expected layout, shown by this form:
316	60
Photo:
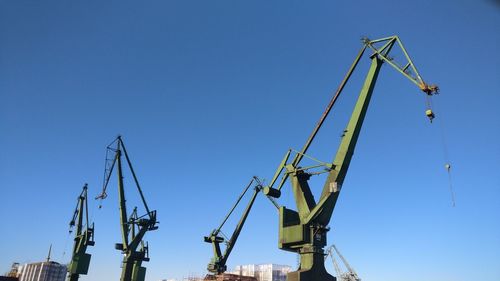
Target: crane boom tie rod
259	183
235	205
268	190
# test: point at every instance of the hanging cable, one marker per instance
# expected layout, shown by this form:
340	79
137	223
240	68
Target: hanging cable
446	158
428	110
65	246
93	211
448	168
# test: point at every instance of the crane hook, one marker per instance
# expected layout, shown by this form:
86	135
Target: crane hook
447	167
430	114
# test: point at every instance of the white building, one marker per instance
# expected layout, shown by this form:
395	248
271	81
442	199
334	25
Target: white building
43	271
263	272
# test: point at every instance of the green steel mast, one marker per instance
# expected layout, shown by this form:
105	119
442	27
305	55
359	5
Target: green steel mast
133	228
304	231
80	260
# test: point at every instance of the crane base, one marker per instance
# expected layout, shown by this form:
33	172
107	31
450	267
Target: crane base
228	277
312	269
310	275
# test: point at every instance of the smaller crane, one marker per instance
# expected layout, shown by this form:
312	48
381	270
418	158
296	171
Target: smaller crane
217	264
80	260
335	265
350	275
133	228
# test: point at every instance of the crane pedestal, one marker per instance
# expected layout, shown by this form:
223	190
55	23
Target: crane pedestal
228	277
312	268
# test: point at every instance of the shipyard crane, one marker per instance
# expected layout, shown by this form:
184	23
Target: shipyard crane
217	264
336	266
351	274
304	231
84	236
133	228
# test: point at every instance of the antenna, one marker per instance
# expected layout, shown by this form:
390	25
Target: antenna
50	250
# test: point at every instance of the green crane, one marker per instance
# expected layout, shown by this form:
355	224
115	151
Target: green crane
217	264
351	274
80	260
304	231
133	228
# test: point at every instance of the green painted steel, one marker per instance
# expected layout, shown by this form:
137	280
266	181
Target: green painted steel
121	199
133	227
304	230
80	260
217	264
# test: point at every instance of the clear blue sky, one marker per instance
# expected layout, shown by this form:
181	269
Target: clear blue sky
209	93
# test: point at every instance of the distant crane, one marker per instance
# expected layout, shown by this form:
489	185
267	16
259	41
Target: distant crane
84	237
350	275
217	264
304	230
336	266
133	228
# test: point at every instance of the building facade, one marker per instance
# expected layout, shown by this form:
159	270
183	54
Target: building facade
263	272
43	271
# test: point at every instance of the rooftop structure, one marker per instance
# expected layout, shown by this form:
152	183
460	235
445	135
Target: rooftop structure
14	270
263	272
43	271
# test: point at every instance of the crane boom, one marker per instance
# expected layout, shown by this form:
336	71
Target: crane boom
80	260
121	198
304	231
